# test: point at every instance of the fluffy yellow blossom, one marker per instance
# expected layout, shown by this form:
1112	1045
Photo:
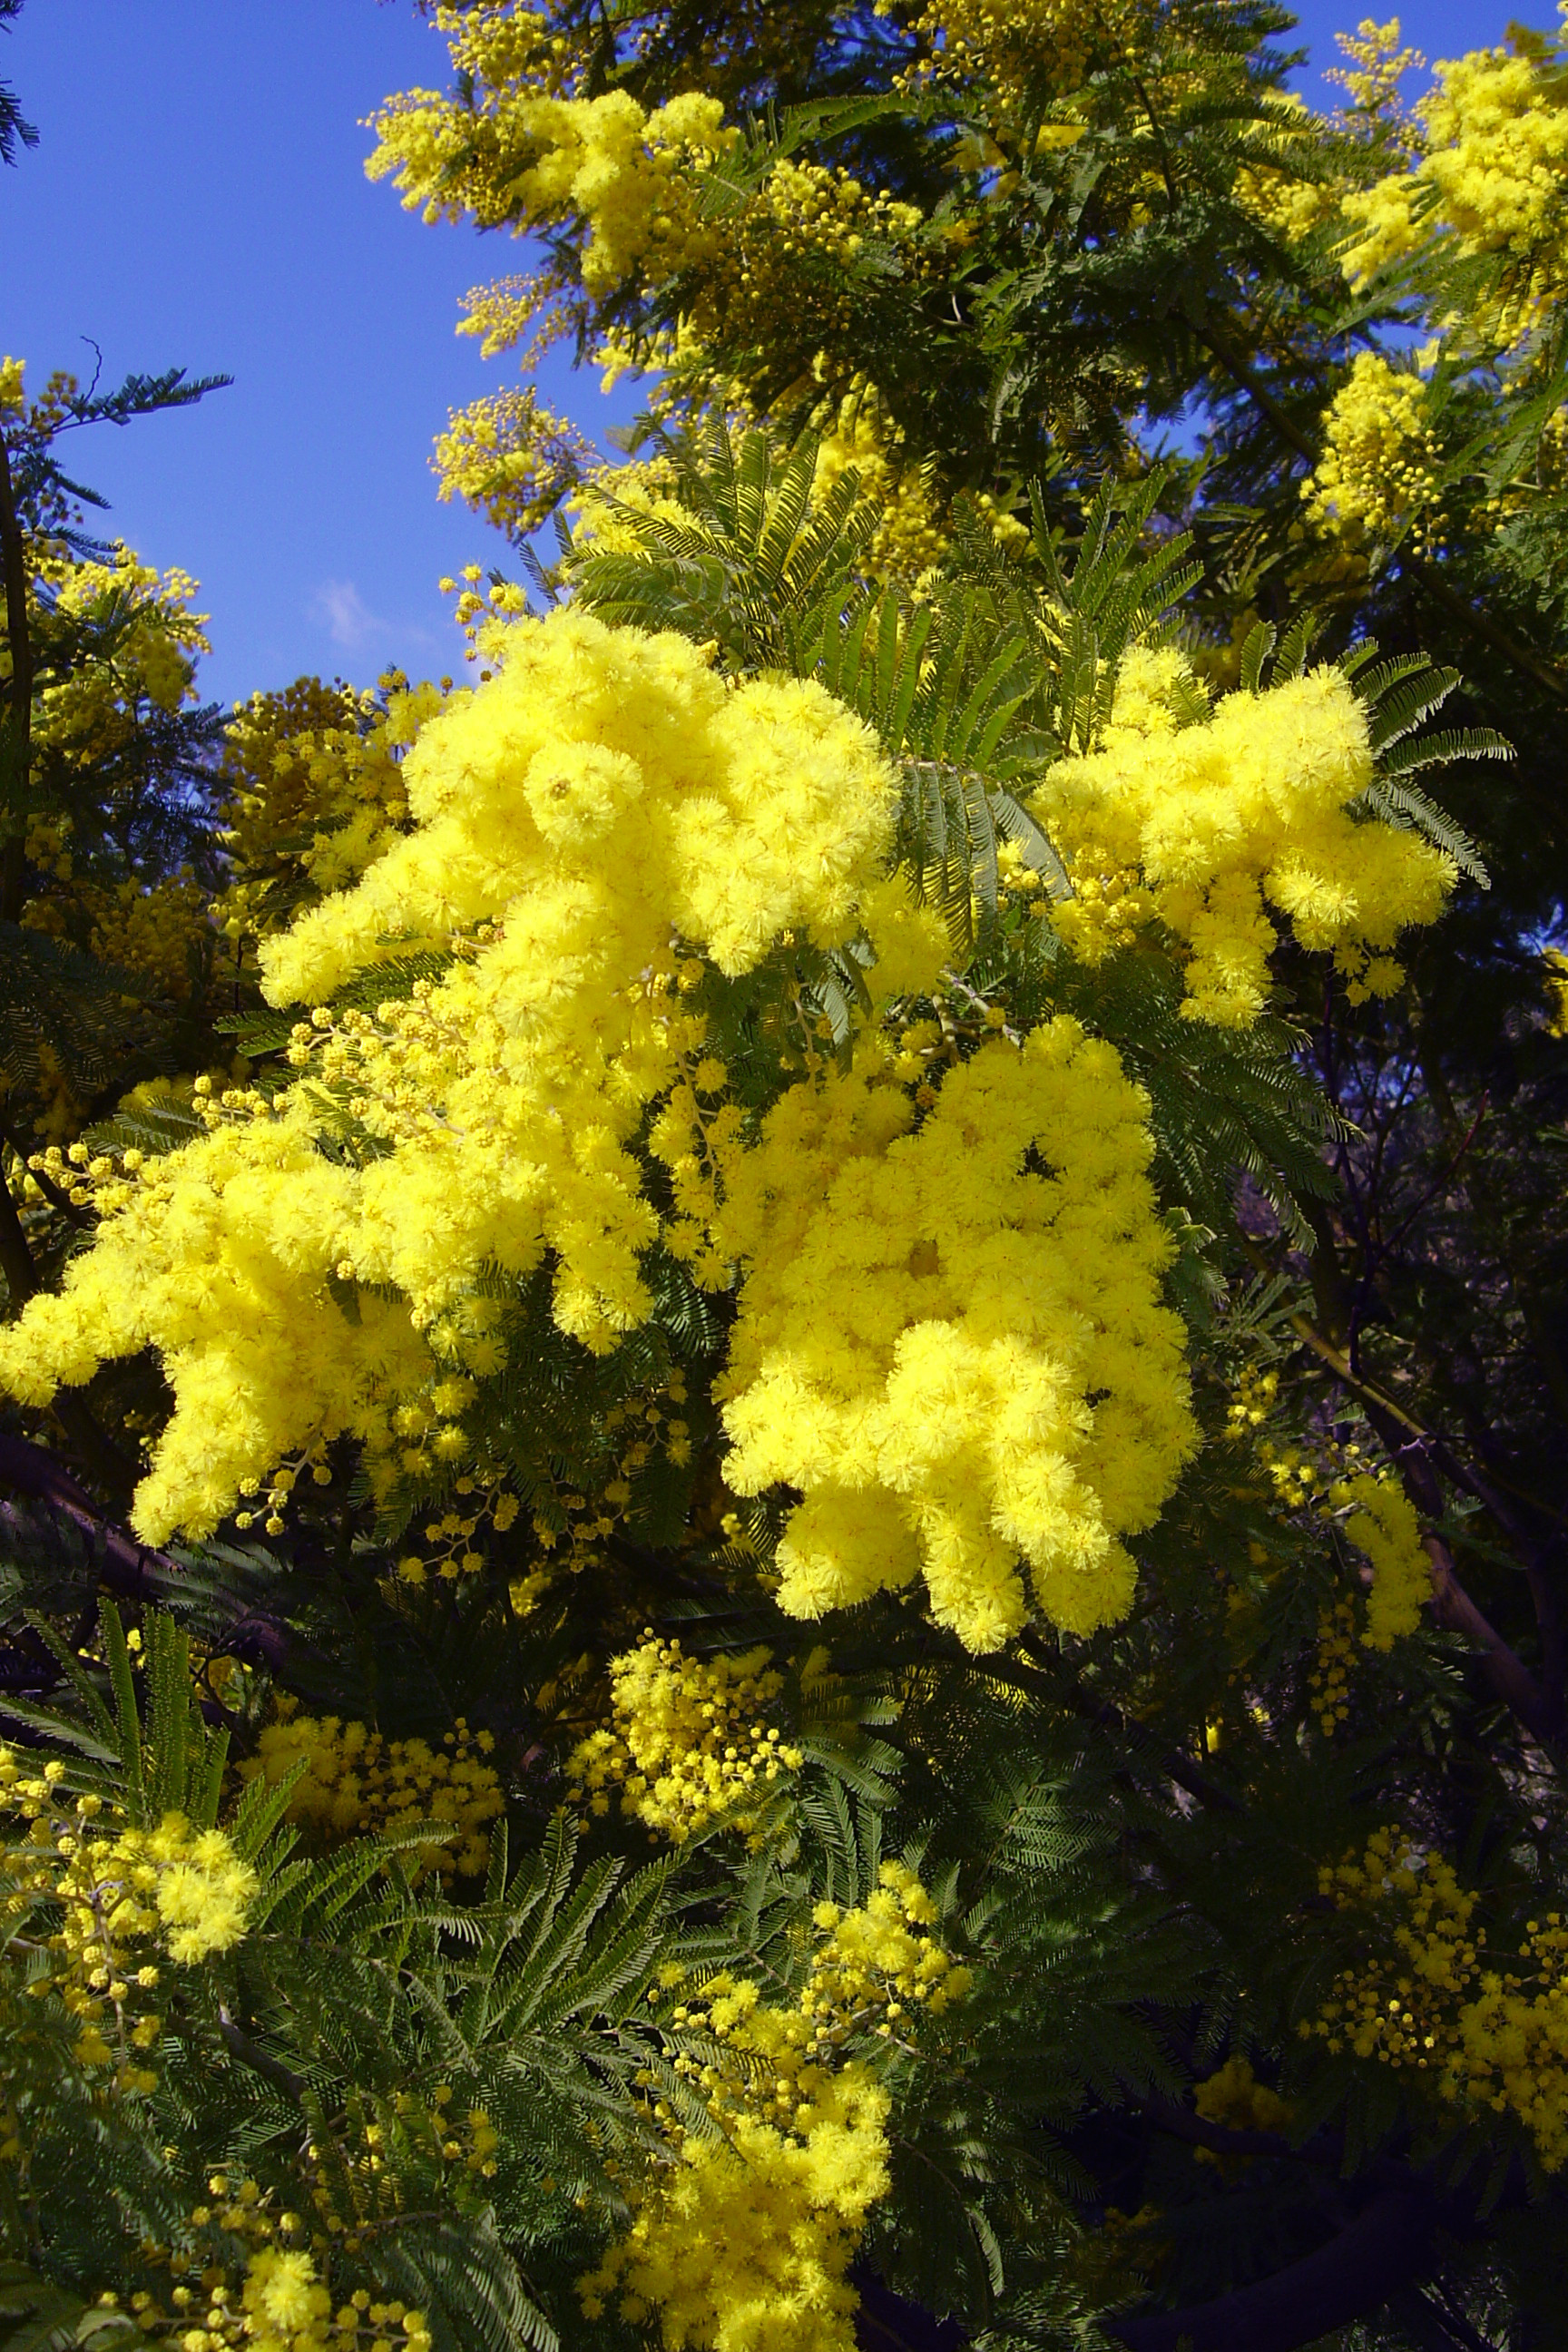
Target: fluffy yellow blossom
119	1891
276	2300
356	1782
314	793
1235	2099
1431	1999
689	1743
1492	175
1223	820
855	432
1020	48
1384	1526
604	789
628	172
509	459
742	2240
1376	469
964	1365
745	2244
522	152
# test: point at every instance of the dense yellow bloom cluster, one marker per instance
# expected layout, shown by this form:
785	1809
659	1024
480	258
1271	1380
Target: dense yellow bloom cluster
156	930
1376	62
855	432
1372	1510
154	657
1235	2100
270	2297
1376	469
1021	48
1489	2035
356	1783
605	792
509	459
1329	1683
687	1742
1492	175
315	793
515	151
118	1887
529	159
964	1364
1290	206
1383	1525
743	2243
1222	820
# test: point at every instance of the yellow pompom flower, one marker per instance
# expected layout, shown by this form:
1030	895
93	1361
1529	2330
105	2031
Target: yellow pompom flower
965	1366
741	2240
602	789
1377	466
689	1743
1225	819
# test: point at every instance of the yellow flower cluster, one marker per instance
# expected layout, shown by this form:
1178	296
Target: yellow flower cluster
157	930
688	1745
1022	50
605	792
315	793
1254	805
1376	62
1329	1683
1376	469
509	459
357	1783
1235	2099
117	1887
962	1363
1383	1525
155	657
513	149
741	2244
855	432
276	2300
1491	2036
527	159
1374	1513
1254	1399
1291	203
1492	176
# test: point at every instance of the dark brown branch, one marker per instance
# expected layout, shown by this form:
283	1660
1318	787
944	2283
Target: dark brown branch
260	2062
1171	1761
122	1564
1220	2139
1412	1449
15	1258
1387	2246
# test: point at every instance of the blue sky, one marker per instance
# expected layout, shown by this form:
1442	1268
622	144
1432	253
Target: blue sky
197	198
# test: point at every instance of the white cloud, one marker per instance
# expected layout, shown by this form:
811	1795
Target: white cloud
350	621
339	608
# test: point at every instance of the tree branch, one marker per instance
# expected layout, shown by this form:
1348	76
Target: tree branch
1172	1761
122	1564
1412	1448
1383	2249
